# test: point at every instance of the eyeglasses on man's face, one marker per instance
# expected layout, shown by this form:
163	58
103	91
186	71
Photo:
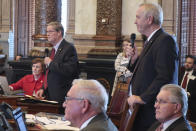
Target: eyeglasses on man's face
50	31
163	102
67	98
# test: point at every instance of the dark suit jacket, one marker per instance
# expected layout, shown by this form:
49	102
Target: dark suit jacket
180	124
156	66
62	71
101	122
191	88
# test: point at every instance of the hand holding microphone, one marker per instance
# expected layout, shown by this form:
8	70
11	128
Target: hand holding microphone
132	39
131	51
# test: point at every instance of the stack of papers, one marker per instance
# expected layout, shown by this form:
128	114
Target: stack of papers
50	124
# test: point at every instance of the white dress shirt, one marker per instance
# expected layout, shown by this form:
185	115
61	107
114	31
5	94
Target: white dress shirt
86	122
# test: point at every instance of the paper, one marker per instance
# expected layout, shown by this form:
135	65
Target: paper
50	124
38	100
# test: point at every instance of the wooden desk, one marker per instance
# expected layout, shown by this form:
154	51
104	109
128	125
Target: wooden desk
9	99
31	108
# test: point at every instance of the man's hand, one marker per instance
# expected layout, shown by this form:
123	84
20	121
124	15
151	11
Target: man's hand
39	94
47	61
132	100
131	52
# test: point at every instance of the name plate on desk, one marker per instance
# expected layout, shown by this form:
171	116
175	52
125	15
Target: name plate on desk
30	100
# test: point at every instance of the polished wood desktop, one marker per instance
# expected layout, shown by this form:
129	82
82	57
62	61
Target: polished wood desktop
31	108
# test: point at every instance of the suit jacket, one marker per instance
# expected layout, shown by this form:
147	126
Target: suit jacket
180	124
156	66
191	88
62	71
101	122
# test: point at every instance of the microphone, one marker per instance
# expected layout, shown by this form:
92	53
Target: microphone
132	39
46	51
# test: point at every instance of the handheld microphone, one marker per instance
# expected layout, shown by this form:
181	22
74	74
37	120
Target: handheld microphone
132	39
46	52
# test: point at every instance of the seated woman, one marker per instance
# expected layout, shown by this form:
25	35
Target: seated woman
31	83
121	63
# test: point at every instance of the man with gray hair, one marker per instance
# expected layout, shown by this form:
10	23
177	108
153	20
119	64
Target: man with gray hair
85	106
156	66
171	107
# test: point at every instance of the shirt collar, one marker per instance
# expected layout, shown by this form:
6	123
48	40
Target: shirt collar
57	45
189	72
86	123
152	34
168	123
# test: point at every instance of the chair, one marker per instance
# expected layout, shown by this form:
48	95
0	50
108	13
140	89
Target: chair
193	124
127	120
117	104
105	83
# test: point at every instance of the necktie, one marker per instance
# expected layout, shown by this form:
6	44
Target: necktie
46	75
185	81
160	127
52	54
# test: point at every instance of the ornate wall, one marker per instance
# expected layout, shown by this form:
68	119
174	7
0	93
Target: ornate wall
5	24
102	39
46	11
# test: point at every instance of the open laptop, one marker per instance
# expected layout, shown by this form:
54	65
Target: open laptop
5	86
19	119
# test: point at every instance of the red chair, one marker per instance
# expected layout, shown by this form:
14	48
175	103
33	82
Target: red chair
118	103
127	120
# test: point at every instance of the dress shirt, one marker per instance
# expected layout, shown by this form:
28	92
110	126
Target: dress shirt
86	122
189	73
57	46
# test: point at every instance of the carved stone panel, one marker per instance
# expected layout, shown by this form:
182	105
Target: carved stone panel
109	14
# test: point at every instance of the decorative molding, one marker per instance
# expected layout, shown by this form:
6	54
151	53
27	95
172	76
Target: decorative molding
99	46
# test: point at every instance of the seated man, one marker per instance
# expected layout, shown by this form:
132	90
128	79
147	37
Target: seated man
86	105
187	79
31	83
171	108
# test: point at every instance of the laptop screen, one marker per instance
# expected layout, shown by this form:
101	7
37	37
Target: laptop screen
19	119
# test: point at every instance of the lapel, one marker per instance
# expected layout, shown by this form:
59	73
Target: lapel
191	82
61	46
181	74
147	48
101	116
175	124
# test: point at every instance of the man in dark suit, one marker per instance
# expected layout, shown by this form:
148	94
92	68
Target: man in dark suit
86	105
62	65
189	84
171	108
157	64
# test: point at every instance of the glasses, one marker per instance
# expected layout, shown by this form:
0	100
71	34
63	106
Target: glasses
50	31
67	98
163	102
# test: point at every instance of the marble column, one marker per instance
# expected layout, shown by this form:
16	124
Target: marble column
46	11
70	20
